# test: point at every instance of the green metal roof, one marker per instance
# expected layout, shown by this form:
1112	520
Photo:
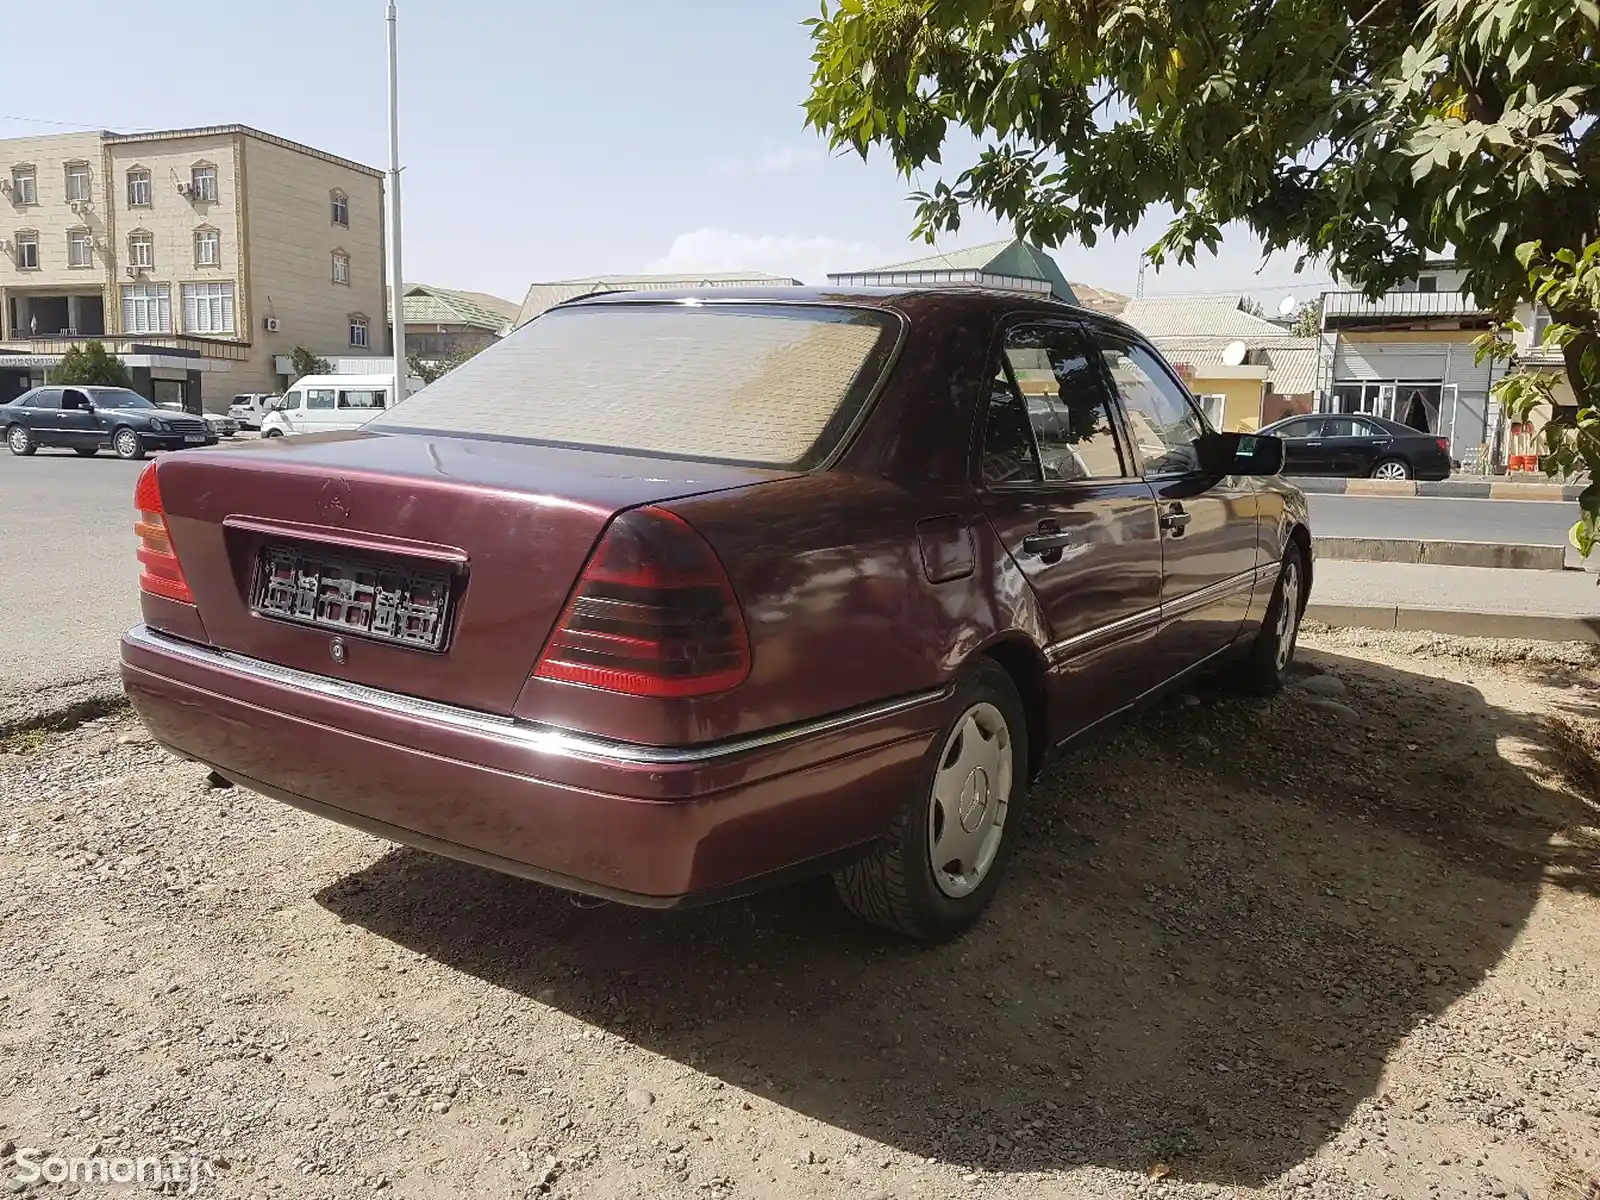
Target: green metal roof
1015	258
428	305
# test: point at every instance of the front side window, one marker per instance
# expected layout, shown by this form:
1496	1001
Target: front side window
1165	424
141	250
365	398
77	182
203	182
1304	427
80	248
1064	399
119	398
24	186
27	250
320	397
358	332
341	209
341	267
138	188
208	308
207	248
769	385
146	308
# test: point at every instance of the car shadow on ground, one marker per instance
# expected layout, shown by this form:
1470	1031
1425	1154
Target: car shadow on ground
1223	918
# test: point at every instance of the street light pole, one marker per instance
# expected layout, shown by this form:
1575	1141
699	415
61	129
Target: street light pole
396	278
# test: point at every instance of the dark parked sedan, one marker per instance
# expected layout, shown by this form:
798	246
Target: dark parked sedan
671	598
90	419
1357	445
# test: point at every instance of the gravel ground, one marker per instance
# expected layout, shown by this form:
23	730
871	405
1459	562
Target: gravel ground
1342	943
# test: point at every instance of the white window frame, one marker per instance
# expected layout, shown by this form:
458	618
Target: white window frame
212	240
1210	400
142	250
27	238
359	325
139	180
76	171
339	203
80	239
203	182
341	268
208	308
146	308
25	185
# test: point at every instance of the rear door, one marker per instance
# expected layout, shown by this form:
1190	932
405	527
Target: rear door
1354	444
42	416
1208	524
1061	490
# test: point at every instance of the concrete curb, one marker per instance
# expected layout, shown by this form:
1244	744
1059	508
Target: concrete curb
1532	627
1502	555
1453	489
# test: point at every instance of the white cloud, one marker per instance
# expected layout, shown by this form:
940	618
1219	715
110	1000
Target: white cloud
808	259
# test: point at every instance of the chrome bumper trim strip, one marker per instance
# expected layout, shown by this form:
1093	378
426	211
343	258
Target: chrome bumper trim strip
543	739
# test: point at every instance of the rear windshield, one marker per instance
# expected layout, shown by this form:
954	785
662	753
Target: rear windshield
770	385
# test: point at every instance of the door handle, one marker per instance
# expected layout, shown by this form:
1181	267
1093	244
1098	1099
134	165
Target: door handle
1050	541
1175	520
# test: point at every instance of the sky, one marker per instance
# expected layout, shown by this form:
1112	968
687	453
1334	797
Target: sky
545	140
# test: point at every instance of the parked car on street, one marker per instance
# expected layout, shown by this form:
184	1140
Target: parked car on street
323	403
248	408
222	426
1358	445
90	419
669	598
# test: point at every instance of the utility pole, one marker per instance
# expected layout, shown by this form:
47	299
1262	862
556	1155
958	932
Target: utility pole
397	318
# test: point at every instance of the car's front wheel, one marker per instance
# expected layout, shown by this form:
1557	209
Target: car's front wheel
272	433
1395	470
20	439
1266	663
942	860
127	444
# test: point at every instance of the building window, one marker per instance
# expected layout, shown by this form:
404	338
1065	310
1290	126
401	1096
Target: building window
203	182
208	308
27	250
341	209
138	188
1428	283
207	248
358	332
80	248
141	250
77	183
341	267
1541	322
24	186
146	308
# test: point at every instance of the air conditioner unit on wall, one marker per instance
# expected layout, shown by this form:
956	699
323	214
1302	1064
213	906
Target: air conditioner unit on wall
272	325
185	188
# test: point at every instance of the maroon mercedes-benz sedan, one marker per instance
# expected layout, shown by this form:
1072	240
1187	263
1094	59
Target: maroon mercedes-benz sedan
667	598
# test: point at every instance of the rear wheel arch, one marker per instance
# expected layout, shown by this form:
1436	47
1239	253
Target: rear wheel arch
1023	661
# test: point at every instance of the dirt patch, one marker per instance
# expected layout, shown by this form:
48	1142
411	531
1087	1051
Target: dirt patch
1338	943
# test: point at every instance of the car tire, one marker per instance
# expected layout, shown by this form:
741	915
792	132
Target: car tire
271	433
977	766
86	451
127	444
20	439
1393	469
1265	665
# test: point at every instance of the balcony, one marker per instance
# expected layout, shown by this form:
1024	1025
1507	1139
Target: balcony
178	345
1344	309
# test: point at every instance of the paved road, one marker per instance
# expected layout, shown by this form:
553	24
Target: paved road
67	567
1523	522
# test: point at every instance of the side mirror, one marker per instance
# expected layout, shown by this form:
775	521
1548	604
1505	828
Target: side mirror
1240	454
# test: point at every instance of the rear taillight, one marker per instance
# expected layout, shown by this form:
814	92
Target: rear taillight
653	615
159	572
1444	444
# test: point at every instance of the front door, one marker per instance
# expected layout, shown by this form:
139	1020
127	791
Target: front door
75	422
1060	488
1208	524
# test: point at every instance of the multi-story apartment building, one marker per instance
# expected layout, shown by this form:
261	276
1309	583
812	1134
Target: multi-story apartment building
199	256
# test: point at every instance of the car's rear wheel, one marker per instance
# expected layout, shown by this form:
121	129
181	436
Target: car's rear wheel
1393	469
20	440
127	444
1266	664
942	860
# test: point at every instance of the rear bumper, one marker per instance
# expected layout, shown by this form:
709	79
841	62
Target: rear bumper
649	825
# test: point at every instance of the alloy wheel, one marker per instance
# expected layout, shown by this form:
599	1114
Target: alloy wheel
1391	470
971	793
1288	613
19	439
127	443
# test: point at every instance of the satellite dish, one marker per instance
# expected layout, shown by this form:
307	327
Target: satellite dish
1286	306
1233	354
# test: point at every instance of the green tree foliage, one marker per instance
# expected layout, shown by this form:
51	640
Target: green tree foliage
306	363
1307	319
1252	306
88	365
430	369
1370	135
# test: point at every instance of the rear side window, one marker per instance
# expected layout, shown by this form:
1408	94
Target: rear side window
50	398
769	385
363	398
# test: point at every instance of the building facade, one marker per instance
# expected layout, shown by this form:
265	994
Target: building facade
198	256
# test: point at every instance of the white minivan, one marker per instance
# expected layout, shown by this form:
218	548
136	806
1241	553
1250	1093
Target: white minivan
319	403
